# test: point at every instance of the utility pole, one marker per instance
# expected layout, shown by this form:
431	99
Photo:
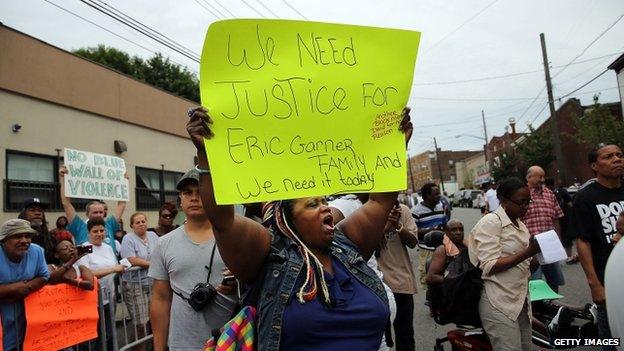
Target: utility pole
559	164
486	151
435	143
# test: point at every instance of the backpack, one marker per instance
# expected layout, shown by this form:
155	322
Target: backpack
457	299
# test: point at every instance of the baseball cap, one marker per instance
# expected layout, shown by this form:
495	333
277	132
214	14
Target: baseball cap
34	201
191	175
15	226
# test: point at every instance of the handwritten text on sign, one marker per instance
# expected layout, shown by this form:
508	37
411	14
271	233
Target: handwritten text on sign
304	108
60	316
95	176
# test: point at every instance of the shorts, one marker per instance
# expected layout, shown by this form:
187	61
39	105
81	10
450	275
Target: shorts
137	297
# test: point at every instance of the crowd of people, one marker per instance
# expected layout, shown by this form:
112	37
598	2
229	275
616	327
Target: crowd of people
329	275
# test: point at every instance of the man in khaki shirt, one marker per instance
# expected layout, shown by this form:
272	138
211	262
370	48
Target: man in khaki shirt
398	271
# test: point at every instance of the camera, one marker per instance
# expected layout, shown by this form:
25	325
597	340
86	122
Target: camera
202	295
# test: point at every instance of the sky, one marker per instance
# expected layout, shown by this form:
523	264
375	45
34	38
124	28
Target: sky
466	46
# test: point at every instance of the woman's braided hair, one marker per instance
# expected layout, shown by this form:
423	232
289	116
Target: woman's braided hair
276	217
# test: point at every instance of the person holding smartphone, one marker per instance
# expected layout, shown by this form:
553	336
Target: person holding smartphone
67	271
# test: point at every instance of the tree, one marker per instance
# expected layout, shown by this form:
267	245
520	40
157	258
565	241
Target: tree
109	57
509	165
598	125
157	70
537	148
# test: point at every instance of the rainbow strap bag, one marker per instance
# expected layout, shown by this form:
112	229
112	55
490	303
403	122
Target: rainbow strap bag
238	334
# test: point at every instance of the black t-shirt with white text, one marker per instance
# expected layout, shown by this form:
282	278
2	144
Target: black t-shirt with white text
596	209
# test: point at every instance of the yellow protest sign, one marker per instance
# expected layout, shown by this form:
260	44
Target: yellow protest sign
305	108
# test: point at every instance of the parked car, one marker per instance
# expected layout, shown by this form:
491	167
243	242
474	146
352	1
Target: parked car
469	197
456	197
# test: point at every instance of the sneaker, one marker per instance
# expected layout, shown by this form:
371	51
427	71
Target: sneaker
572	259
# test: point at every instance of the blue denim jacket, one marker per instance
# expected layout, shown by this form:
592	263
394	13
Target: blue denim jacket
284	266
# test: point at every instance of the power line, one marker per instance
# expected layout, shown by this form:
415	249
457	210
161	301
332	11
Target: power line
459	27
532	102
509	75
225	8
106	29
99	26
168	43
584	85
268	9
207	9
469	99
535	118
153	31
294	9
214	8
253	8
590	44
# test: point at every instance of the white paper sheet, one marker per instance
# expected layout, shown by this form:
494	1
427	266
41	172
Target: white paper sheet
552	249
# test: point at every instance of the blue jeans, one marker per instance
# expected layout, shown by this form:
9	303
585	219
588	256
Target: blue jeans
604	331
553	274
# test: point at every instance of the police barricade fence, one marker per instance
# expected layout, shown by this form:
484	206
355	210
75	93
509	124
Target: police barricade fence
129	302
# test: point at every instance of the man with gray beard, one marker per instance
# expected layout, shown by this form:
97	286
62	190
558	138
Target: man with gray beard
33	211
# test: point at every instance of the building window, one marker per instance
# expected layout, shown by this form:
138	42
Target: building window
153	187
30	175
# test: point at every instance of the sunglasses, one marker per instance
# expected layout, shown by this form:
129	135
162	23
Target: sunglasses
167	216
522	204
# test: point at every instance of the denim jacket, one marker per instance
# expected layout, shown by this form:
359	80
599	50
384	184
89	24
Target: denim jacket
284	264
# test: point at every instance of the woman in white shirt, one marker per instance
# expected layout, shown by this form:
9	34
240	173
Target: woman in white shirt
103	263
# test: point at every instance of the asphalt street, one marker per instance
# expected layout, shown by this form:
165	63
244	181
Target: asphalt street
575	291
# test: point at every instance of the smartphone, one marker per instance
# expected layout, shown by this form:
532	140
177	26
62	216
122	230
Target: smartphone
87	249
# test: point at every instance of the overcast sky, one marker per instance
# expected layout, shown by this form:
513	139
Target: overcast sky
462	40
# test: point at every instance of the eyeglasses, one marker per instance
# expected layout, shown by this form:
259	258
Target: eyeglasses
167	216
525	203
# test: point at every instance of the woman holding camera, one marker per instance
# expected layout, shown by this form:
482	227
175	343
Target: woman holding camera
318	293
500	244
67	271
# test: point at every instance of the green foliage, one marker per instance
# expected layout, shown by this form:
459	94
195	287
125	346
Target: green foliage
509	165
537	148
598	125
157	71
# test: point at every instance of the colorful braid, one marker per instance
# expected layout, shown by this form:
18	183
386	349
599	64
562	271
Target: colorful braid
275	218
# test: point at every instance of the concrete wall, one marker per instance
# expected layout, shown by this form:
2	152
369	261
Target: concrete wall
47	126
33	68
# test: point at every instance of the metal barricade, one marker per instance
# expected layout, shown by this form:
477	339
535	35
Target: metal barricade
136	290
135	293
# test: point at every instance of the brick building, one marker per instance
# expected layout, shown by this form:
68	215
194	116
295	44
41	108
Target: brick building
574	161
424	167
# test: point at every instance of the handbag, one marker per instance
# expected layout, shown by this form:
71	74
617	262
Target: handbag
240	332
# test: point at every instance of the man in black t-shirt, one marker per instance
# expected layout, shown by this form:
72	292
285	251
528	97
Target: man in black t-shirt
596	210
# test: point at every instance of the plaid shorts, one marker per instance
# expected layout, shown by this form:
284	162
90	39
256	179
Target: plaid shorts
137	297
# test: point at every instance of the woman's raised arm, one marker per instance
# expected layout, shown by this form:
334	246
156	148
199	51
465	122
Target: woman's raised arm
242	242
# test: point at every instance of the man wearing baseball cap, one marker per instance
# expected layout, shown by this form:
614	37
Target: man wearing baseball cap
178	263
22	271
33	210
